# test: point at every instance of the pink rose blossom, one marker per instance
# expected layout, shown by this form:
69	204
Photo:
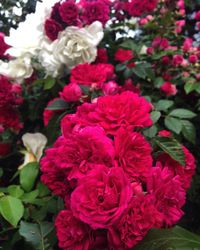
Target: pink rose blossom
101	197
71	93
133	154
169	89
72	233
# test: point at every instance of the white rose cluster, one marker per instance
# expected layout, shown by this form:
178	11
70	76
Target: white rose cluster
73	46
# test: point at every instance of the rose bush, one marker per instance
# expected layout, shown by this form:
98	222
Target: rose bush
114	87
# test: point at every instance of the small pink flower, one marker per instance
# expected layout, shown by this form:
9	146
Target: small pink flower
110	88
193	58
164	133
123	55
169	89
177	60
71	93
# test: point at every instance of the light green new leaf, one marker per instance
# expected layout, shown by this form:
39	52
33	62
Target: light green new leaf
15	191
28	175
11	209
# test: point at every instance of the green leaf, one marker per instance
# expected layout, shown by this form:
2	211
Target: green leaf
15	191
176	238
151	132
36	234
30	197
189	87
43	190
120	67
172	147
58	104
158	82
189	131
155	116
49	82
163	105
11	209
28	175
140	71
182	113
173	124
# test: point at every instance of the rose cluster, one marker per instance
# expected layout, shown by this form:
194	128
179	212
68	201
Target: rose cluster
103	167
70	13
10	99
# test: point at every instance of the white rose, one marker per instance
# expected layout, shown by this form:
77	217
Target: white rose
77	45
17	69
34	144
26	38
47	60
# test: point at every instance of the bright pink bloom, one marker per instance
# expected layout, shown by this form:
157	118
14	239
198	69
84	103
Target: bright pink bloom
193	58
123	55
184	172
135	223
133	154
52	28
71	93
197	16
110	88
168	192
127	110
94	75
78	154
101	197
164	133
187	44
160	43
177	60
169	89
102	55
72	233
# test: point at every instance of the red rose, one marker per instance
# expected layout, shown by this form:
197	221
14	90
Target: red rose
93	75
73	157
52	28
168	192
135	223
69	12
110	88
53	175
9	118
164	133
102	55
123	55
101	197
72	234
184	172
127	110
71	93
133	154
95	11
177	60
